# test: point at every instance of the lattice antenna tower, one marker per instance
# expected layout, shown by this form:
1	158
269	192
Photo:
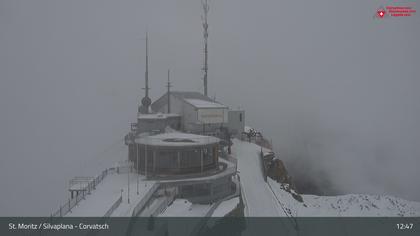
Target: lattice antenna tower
206	9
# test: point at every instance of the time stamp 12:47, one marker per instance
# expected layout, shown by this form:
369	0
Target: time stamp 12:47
403	226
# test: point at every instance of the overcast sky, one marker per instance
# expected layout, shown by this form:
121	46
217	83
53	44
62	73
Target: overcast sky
335	88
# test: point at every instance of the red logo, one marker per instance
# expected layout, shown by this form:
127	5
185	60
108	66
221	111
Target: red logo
381	13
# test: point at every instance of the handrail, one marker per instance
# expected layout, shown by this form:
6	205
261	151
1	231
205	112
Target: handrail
72	202
140	205
113	207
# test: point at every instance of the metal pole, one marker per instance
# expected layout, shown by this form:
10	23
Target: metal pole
206	35
201	152
137	153
145	160
169	94
128	184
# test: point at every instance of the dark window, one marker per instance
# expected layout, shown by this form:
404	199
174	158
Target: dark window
240	117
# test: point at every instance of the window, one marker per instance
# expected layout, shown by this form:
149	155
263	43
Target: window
240	117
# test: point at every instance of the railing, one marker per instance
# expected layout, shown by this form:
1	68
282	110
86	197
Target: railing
260	140
209	213
139	207
169	198
66	207
113	207
263	166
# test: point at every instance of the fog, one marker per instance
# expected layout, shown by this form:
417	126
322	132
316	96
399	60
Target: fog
335	89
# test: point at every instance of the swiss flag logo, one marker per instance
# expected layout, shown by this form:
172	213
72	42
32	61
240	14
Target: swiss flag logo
381	13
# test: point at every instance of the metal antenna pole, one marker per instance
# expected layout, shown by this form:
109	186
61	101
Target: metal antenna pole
169	93
147	66
206	9
146	101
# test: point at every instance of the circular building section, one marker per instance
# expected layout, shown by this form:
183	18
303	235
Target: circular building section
175	153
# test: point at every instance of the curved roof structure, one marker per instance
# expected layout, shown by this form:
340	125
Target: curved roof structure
177	139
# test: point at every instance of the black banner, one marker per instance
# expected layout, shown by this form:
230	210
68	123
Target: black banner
199	226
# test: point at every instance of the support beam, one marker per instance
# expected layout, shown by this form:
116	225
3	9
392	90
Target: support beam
154	161
201	157
179	160
137	167
145	161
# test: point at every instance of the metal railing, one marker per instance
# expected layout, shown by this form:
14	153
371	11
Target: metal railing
169	198
113	207
139	207
66	207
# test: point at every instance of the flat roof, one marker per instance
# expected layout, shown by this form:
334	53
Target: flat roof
156	116
177	139
199	103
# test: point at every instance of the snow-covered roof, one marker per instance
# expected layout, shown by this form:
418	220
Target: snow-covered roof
156	116
177	139
199	103
182	95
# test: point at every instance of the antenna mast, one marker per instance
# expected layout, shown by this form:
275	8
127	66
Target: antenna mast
169	95
206	9
146	74
146	101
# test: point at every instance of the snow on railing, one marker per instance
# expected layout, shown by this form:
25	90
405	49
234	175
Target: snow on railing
169	196
72	202
244	200
139	207
113	207
210	212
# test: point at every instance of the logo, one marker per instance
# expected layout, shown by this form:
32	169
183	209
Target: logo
396	10
381	13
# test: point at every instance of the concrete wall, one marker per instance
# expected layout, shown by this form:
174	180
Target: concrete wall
213	115
158	124
190	116
149	125
236	122
208	191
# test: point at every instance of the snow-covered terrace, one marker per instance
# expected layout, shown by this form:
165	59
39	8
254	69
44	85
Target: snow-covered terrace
108	192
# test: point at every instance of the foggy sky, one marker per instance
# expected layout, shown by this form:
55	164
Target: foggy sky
335	89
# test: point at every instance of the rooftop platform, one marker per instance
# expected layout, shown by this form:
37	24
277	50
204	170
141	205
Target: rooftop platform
177	139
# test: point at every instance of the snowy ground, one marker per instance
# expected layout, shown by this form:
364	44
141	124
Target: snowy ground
258	198
269	199
184	208
345	205
108	192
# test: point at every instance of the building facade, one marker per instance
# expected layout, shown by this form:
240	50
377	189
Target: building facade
174	154
199	114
